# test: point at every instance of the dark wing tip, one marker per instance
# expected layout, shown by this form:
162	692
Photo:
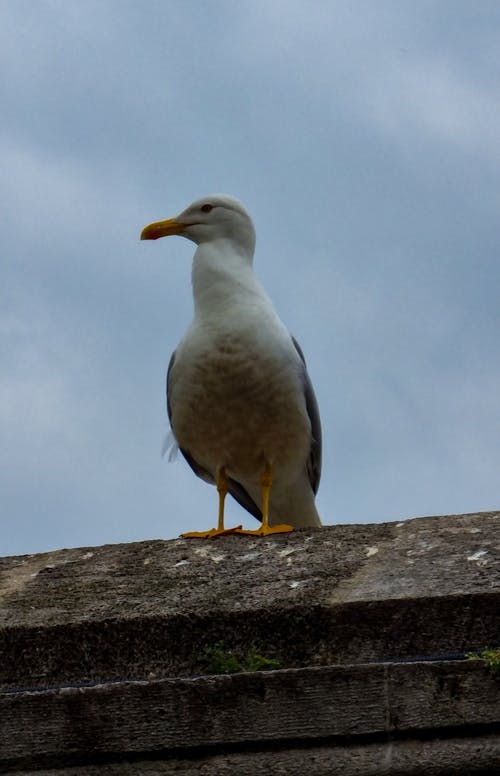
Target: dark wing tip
316	452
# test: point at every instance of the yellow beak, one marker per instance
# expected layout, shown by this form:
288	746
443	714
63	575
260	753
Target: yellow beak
162	229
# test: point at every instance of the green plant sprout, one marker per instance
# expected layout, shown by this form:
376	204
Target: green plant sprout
220	659
490	656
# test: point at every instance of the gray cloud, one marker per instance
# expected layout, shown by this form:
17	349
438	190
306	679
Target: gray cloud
363	138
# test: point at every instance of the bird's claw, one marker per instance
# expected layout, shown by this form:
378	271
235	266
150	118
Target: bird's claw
211	533
267	530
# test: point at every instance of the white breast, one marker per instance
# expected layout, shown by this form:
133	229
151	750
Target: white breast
237	400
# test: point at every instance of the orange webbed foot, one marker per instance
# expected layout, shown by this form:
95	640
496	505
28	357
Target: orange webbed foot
211	533
266	530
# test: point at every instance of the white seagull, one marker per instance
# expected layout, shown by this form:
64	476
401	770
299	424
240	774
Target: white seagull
240	402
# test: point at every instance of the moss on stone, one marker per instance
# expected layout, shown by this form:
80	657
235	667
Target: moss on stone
220	659
490	656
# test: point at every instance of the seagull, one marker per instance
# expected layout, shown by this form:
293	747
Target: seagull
240	401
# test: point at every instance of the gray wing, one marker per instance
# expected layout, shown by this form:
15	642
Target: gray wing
198	470
315	454
236	490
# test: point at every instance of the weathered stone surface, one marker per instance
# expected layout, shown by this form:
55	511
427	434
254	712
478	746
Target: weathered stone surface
335	704
335	605
339	594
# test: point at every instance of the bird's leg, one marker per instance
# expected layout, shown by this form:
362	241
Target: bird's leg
223	489
266	480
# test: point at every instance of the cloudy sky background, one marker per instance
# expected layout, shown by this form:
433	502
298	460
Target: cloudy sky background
364	139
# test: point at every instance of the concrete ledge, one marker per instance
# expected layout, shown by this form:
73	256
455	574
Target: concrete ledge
103	653
340	594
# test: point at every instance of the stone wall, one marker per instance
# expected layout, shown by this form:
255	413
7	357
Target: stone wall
111	656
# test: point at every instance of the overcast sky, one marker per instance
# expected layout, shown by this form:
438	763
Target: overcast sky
364	138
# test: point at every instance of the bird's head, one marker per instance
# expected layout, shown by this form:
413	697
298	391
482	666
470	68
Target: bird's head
216	217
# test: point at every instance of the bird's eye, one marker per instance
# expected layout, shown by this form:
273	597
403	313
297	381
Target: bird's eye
206	208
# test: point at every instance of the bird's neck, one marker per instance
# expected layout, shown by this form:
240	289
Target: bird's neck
222	275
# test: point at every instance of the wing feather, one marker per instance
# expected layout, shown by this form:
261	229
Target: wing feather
316	452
